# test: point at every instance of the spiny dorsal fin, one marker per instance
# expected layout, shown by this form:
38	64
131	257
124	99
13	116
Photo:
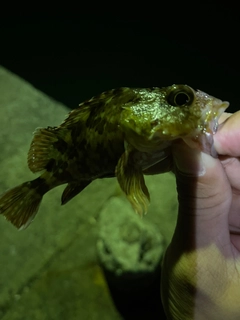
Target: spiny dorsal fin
40	150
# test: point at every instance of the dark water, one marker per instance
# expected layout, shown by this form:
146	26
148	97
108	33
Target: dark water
72	57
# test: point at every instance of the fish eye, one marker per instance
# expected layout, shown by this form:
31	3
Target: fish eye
181	96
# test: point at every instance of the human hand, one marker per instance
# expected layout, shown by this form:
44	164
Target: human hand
201	268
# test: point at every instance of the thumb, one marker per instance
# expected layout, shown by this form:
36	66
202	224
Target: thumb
204	196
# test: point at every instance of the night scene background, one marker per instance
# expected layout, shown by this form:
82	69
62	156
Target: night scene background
71	57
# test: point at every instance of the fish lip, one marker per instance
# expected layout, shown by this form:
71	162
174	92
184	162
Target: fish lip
219	107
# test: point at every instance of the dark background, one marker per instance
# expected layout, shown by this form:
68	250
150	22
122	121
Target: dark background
72	56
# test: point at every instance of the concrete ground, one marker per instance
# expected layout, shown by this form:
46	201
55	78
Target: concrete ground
50	270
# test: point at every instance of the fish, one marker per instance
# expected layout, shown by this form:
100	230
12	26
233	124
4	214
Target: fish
124	133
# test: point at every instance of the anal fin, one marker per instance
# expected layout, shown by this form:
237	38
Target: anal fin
72	189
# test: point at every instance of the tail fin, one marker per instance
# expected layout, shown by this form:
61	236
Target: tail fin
20	204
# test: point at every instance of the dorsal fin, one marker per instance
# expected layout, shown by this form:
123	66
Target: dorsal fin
39	153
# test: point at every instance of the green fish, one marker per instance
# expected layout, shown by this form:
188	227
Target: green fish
123	133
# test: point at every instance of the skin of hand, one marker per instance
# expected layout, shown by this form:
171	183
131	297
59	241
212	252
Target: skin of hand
201	267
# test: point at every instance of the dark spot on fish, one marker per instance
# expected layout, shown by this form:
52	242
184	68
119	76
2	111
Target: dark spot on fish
100	127
86	103
72	154
40	185
112	127
89	121
81	145
75	131
99	150
95	122
65	176
154	123
96	108
60	145
50	165
64	166
100	104
118	91
109	159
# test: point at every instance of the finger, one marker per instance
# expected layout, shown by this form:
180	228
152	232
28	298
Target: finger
226	140
204	197
224	117
232	168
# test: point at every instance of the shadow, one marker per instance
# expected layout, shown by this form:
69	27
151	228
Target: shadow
137	296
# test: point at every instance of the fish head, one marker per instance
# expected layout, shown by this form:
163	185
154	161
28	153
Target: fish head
170	113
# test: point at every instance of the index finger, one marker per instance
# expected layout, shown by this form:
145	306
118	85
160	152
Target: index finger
227	138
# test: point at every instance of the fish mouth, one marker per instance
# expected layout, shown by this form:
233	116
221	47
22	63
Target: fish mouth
212	115
209	126
220	106
211	104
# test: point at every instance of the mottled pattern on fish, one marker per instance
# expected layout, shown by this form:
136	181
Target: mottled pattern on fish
122	132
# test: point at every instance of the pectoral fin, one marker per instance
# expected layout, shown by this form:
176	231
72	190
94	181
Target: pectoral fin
131	180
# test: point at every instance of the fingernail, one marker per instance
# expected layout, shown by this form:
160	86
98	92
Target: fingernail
208	161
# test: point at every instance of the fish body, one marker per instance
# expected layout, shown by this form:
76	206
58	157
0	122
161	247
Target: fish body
123	132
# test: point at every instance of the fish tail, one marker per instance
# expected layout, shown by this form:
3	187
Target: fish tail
20	204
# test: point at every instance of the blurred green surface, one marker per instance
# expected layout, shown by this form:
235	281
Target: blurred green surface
50	270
